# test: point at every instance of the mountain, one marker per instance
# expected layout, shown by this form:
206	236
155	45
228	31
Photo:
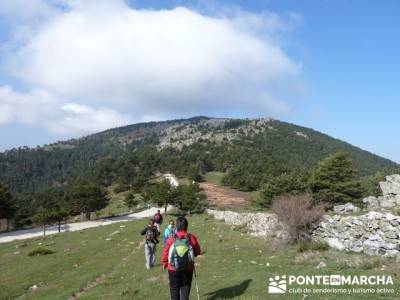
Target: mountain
248	150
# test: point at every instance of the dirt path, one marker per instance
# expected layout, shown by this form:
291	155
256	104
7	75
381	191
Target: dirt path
220	197
36	232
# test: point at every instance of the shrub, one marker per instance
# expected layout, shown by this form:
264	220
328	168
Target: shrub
40	252
293	183
299	213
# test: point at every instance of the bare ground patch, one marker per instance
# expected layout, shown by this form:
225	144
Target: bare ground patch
220	197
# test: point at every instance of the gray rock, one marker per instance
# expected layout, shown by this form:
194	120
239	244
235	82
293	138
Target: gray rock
336	244
391	234
321	265
391	253
346	208
391	186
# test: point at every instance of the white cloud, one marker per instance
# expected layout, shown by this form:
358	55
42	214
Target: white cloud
25	108
158	63
79	118
58	116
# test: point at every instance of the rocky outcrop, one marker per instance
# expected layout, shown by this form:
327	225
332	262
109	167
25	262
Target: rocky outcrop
179	135
375	233
346	208
390	198
391	186
257	224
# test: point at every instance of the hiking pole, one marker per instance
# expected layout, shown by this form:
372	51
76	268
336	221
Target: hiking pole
195	282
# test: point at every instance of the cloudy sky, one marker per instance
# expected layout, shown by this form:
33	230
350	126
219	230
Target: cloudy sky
69	68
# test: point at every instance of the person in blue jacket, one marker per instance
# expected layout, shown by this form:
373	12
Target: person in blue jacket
170	230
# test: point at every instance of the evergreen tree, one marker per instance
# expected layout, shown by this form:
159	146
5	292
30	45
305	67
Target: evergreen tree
53	200
7	208
195	174
131	200
293	183
87	197
334	181
189	198
43	217
160	194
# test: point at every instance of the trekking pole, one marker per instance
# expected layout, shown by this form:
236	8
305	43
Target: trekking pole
195	282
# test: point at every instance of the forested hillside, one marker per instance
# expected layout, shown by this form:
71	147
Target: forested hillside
250	151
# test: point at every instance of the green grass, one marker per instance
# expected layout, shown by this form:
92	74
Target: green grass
116	205
215	177
233	264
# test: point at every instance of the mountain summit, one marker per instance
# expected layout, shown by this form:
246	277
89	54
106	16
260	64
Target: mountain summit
253	148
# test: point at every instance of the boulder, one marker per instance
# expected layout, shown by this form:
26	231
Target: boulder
390	198
335	244
346	208
391	186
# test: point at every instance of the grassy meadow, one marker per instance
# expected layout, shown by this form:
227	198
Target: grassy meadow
108	263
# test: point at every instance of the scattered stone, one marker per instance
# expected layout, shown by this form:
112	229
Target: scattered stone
336	244
346	208
321	265
253	262
115	232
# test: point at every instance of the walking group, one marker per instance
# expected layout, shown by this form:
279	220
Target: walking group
179	250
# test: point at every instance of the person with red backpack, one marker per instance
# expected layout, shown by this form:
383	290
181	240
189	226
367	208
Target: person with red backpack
158	219
151	233
178	257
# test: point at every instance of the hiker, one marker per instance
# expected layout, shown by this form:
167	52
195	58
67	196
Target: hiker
151	233
169	230
158	219
178	257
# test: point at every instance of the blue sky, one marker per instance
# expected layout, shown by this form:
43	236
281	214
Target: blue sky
330	65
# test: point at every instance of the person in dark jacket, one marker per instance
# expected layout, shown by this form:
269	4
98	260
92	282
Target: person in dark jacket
151	240
180	280
158	219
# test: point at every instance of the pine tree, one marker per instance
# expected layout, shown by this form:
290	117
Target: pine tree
293	183
7	209
189	198
334	181
87	197
131	200
160	194
43	217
